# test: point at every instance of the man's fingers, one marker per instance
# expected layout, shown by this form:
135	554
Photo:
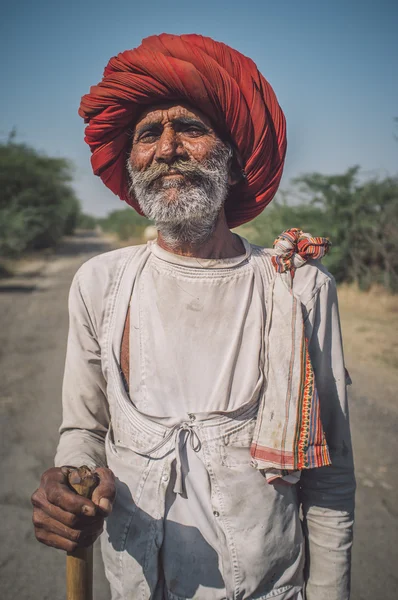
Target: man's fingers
54	484
42	521
40	502
55	541
104	494
76	521
63	519
63	497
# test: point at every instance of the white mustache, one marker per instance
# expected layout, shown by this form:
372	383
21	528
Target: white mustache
189	169
192	169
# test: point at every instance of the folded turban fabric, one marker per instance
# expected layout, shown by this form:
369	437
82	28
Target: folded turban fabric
222	83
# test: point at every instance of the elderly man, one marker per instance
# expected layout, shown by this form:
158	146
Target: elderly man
204	376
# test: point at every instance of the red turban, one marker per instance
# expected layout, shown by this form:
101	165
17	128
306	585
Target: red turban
219	81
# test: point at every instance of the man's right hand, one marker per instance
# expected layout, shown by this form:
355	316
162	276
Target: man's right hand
65	520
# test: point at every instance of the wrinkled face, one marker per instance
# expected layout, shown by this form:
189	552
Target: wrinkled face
179	171
174	134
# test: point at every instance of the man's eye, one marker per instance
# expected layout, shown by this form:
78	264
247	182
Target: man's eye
194	131
149	136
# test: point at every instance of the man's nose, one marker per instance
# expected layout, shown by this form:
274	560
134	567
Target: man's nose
168	147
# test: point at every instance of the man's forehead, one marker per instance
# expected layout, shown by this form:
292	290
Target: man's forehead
169	111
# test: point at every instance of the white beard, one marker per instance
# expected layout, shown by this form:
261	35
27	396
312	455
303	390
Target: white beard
192	216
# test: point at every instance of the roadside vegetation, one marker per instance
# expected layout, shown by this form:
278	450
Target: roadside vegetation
37	202
125	225
359	215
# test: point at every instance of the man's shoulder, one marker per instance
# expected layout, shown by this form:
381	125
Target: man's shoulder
97	280
309	279
108	264
100	274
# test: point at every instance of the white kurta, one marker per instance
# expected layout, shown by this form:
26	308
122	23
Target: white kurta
194	358
195	339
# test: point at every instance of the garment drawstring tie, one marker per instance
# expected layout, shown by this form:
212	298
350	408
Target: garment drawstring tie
176	431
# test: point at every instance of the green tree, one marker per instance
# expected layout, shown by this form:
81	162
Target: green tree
126	223
37	202
359	217
337	198
281	215
86	221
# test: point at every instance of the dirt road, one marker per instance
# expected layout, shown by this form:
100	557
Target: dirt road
33	329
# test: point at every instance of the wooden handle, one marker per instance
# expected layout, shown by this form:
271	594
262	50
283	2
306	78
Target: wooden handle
79	564
83	481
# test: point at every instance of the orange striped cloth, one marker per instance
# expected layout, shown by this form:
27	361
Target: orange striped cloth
289	435
293	248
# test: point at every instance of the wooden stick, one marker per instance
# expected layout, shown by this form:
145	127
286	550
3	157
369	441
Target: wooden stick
79	564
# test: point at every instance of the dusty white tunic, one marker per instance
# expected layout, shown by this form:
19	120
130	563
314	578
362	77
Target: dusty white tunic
205	352
229	534
201	356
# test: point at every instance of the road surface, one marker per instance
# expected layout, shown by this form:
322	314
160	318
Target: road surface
33	330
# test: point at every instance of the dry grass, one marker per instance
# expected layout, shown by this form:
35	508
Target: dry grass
28	265
370	325
370	333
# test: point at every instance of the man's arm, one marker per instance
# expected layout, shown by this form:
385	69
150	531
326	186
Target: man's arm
85	407
327	493
61	518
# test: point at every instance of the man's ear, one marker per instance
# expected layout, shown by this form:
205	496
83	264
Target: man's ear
234	176
236	172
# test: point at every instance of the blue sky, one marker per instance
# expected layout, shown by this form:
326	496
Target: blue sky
333	65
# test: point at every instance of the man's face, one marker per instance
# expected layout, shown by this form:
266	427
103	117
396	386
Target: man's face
179	171
174	134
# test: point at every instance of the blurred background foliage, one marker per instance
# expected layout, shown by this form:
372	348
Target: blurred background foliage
359	215
126	224
37	202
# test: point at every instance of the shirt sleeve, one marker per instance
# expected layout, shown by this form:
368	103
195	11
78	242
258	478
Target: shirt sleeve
327	493
85	408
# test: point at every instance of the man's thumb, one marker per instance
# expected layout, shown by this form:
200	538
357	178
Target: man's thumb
104	494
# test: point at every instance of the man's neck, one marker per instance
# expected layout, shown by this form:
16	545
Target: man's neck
221	244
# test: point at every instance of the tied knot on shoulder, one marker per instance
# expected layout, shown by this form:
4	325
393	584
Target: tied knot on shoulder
293	248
